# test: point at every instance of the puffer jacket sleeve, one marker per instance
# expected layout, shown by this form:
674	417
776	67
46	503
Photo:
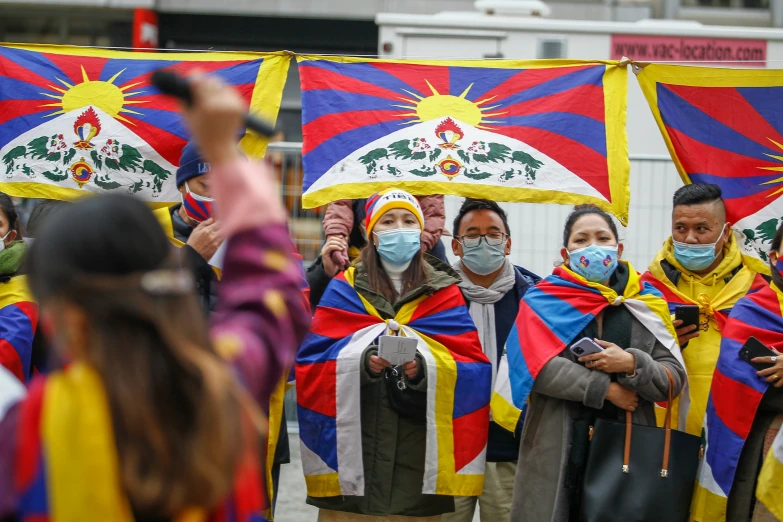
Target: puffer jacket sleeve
434	210
338	218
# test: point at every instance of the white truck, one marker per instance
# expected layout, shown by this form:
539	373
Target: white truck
492	33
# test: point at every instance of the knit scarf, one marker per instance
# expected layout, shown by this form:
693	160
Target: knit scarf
11	258
482	307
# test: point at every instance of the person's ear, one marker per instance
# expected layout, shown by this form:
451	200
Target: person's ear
773	257
11	237
508	246
456	247
619	251
564	255
727	233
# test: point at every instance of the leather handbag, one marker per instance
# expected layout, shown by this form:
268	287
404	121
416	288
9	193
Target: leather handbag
638	473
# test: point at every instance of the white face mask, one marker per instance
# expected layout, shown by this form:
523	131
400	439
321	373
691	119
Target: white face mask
2	241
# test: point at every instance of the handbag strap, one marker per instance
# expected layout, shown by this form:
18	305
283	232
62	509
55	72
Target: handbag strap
667	432
667	426
627	449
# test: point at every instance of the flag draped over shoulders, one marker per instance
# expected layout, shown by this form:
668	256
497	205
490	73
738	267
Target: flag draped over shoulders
722	126
734	399
77	120
552	314
66	420
328	368
18	323
548	131
715	294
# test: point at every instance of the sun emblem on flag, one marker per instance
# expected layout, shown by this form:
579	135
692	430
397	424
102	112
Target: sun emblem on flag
440	105
104	95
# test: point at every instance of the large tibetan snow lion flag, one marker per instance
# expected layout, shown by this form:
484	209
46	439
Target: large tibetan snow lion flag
537	131
725	126
75	120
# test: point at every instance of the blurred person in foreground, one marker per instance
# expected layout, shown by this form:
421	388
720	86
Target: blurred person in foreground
156	418
43	358
700	264
191	225
18	311
44	211
492	287
745	410
367	428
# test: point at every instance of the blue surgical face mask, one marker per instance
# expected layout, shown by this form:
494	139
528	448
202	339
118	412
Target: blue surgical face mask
696	257
398	246
595	263
483	259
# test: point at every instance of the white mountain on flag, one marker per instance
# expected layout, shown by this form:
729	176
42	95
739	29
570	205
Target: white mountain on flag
448	149
90	150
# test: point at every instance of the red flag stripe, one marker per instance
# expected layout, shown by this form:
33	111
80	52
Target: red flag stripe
729	107
585	100
418	77
583	161
323	79
528	78
330	125
735	403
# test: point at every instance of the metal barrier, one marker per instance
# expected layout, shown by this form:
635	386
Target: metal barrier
536	228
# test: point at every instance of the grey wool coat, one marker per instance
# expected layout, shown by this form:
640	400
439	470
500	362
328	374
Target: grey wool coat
562	387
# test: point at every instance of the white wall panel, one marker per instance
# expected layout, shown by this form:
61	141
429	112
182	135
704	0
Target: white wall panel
537	229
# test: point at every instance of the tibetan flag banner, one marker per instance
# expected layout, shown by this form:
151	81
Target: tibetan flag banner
547	131
725	126
75	121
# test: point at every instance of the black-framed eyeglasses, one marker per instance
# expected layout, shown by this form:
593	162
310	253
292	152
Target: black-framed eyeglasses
492	239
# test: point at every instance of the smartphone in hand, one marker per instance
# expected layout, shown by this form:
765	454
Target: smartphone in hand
754	348
689	314
585	346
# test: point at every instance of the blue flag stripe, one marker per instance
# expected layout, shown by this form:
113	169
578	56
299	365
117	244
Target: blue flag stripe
579	128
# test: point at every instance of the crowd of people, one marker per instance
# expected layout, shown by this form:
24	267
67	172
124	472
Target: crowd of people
141	352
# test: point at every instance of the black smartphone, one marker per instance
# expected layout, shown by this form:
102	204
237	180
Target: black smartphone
755	348
688	313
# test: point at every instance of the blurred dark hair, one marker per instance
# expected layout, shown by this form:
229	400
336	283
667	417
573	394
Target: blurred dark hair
777	240
174	403
697	193
470	204
42	212
8	208
584	210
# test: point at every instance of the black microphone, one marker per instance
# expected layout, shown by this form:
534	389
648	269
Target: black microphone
172	84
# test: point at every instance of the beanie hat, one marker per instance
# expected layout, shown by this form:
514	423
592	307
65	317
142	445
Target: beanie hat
389	199
191	164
